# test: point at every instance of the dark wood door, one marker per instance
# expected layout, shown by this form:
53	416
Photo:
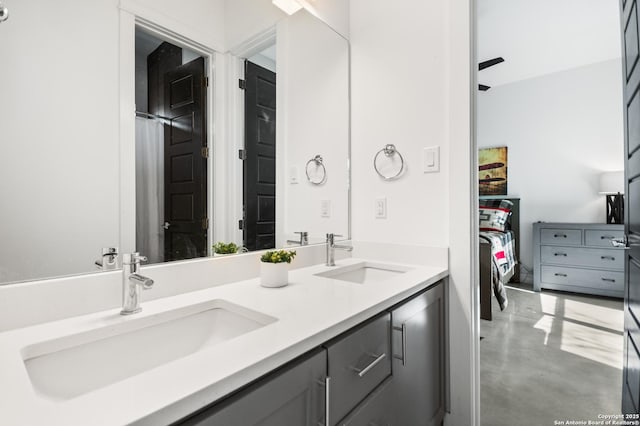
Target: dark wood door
185	162
631	73
260	162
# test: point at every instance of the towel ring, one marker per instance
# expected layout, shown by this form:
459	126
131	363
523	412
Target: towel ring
319	163
4	13
389	150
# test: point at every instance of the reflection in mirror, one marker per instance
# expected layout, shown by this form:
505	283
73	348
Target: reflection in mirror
171	151
62	130
59	158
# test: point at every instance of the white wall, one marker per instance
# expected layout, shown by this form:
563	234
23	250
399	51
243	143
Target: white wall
411	86
562	130
313	108
399	96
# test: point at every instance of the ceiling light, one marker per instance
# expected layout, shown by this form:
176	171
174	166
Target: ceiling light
288	6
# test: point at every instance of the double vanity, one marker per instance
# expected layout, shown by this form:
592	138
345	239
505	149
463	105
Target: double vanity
355	343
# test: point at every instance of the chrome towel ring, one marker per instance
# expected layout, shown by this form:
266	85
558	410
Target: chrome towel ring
319	162
4	13
389	151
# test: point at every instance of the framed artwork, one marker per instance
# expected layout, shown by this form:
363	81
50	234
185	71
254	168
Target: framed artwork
492	171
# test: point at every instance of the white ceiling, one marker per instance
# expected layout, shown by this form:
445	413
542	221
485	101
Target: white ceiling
537	37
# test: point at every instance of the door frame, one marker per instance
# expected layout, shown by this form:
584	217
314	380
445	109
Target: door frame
235	107
132	18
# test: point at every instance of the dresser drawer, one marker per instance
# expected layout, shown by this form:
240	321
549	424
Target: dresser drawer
608	280
561	236
358	362
601	237
582	256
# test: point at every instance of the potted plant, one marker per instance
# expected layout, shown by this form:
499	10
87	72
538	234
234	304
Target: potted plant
274	267
224	249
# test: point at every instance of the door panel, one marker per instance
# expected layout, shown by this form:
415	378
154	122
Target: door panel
260	162
185	165
631	51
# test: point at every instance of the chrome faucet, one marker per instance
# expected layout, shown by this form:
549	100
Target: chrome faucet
109	259
131	283
331	249
304	239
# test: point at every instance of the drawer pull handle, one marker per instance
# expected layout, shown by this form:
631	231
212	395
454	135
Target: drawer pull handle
607	237
560	254
327	394
607	258
609	280
402	329
557	274
559	235
362	371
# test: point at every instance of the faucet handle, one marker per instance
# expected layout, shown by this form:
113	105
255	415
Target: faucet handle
133	258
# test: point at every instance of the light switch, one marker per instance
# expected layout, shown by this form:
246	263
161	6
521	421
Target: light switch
325	208
431	159
380	208
294	177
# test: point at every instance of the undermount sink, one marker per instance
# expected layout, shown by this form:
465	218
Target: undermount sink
67	367
365	272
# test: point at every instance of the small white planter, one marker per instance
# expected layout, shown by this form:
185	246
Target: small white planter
223	254
274	274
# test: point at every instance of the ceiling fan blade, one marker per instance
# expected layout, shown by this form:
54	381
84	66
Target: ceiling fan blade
490	63
483	87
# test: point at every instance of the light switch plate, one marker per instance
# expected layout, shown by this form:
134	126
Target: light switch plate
294	177
325	208
380	208
431	159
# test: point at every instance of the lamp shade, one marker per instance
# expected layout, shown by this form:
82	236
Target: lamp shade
611	183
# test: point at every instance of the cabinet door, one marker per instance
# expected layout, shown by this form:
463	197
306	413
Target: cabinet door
294	396
419	359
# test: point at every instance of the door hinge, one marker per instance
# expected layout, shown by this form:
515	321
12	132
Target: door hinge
241	224
242	84
242	154
205	152
205	223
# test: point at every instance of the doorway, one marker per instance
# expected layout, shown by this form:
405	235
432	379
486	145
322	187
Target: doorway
171	150
555	102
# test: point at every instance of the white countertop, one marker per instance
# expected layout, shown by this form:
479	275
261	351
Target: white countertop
309	311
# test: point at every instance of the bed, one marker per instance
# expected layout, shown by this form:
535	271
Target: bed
499	250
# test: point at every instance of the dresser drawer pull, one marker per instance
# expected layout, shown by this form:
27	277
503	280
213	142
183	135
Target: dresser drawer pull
607	237
609	280
557	274
559	235
560	254
607	258
362	371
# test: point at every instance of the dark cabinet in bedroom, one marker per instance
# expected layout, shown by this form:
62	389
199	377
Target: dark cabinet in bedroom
578	257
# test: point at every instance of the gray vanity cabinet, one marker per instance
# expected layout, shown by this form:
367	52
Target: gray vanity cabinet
418	343
292	396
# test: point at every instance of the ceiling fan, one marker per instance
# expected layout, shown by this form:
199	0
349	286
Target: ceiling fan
487	64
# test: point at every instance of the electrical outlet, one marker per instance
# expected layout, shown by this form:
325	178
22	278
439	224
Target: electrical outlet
325	208
380	208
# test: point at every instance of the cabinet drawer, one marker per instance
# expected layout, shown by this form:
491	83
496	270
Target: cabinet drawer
358	362
592	278
377	409
561	236
601	237
582	256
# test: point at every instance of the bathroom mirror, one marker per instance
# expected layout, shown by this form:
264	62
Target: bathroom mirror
60	115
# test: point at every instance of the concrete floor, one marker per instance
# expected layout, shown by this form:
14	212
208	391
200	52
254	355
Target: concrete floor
551	356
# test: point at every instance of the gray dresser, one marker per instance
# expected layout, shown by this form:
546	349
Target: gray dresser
578	257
